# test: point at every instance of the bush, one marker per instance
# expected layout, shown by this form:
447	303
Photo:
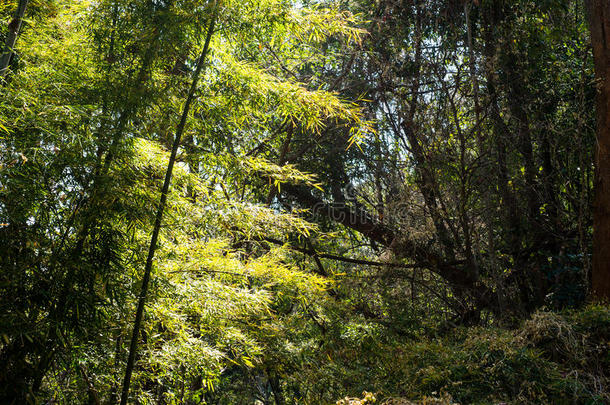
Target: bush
552	358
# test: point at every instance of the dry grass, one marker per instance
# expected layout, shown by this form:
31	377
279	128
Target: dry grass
369	398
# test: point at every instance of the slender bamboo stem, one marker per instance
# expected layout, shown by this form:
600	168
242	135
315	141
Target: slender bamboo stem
160	209
13	30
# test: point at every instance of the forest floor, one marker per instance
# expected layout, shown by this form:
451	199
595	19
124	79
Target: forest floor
552	358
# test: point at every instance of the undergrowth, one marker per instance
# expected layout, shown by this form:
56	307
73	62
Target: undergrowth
552	358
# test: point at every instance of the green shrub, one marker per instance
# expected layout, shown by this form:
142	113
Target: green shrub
558	358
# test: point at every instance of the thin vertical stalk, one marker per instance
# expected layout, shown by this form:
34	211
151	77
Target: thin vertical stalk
161	208
13	30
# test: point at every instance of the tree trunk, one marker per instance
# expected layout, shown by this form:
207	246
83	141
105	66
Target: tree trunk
599	24
11	38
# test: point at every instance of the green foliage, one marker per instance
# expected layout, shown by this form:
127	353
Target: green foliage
256	296
86	117
551	358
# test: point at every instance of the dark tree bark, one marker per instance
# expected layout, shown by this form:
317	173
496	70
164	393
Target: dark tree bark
11	38
464	282
599	24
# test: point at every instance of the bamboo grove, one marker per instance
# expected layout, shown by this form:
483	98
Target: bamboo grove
282	202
